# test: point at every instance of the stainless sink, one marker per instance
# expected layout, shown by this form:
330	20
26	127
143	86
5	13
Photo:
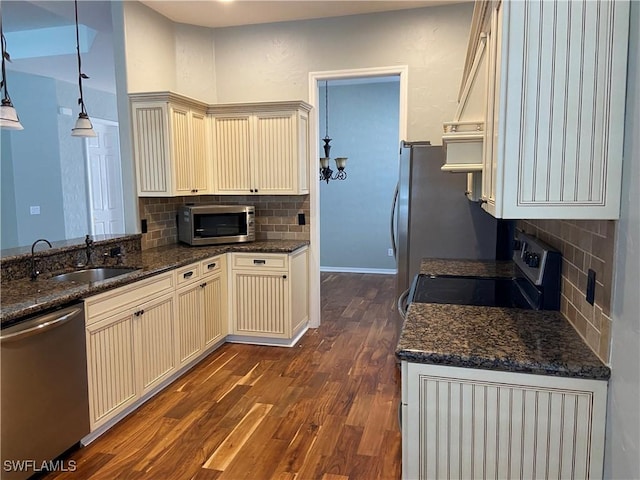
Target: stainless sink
92	274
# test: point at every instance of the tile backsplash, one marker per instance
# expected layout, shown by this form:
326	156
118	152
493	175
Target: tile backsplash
276	216
585	244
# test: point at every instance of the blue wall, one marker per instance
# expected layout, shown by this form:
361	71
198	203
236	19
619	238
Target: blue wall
354	213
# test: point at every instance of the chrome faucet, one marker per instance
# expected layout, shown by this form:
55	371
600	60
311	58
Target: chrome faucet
34	272
89	248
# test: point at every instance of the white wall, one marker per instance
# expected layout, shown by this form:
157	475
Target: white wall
622	458
150	52
162	55
272	62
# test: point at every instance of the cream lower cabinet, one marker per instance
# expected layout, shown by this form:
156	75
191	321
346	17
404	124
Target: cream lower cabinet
269	294
171	145
130	349
556	82
201	313
471	423
260	148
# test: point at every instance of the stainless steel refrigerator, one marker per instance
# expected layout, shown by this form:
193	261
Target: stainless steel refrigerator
432	217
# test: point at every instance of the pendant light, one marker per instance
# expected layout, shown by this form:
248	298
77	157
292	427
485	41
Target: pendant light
8	115
83	126
326	173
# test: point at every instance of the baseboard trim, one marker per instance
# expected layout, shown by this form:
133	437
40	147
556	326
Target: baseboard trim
380	271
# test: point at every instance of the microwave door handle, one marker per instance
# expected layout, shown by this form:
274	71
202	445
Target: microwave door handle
199	230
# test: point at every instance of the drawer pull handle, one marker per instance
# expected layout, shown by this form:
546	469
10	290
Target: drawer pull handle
211	265
259	262
187	275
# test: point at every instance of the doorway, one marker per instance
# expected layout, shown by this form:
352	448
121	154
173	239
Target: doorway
316	86
104	171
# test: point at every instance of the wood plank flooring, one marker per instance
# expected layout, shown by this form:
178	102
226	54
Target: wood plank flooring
324	409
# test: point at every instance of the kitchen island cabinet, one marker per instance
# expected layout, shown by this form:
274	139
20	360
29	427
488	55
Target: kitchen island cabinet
490	392
260	148
269	297
171	145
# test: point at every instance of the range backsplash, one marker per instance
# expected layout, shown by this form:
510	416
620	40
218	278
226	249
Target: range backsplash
276	216
585	244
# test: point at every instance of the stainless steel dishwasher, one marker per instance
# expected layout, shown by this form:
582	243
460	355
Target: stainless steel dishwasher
44	398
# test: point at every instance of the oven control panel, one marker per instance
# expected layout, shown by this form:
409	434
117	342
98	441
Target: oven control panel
535	258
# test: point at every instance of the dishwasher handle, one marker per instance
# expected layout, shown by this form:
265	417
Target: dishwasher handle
40	324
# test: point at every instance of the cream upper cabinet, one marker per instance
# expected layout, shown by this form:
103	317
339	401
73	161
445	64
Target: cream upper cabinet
171	145
552	76
556	78
260	148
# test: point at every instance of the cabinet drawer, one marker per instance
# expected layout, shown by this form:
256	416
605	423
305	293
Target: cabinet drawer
188	274
122	298
212	265
268	261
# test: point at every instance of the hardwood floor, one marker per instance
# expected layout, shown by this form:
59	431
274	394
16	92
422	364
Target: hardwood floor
324	409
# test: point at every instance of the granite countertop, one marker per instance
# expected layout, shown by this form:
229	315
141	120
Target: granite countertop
21	298
467	268
493	338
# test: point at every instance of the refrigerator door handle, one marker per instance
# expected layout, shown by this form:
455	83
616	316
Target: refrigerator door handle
394	246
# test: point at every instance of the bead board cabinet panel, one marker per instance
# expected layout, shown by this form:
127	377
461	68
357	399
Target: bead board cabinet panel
555	108
465	423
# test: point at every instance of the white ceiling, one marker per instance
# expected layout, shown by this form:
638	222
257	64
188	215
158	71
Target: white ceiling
227	13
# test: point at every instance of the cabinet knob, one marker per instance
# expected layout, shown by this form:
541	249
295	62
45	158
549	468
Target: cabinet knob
284	276
202	285
256	190
251	190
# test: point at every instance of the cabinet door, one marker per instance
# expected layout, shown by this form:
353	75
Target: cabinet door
200	160
155	350
151	149
232	151
276	156
181	151
215	309
261	304
189	322
111	367
562	135
489	158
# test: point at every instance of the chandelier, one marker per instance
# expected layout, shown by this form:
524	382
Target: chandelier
326	173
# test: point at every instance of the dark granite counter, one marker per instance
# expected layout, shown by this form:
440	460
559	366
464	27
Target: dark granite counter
21	298
467	268
492	338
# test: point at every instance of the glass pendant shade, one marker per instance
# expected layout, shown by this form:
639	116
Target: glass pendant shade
9	117
83	127
341	162
324	162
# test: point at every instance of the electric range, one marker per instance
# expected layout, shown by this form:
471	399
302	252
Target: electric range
535	284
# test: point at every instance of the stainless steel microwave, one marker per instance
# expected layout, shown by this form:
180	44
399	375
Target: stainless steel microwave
216	224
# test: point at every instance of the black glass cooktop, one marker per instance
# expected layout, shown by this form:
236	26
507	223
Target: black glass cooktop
479	291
